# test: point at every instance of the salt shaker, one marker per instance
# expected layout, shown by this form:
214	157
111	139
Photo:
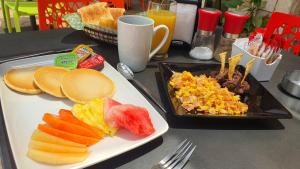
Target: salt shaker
204	38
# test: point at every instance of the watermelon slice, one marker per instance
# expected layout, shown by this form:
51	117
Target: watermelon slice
133	118
109	103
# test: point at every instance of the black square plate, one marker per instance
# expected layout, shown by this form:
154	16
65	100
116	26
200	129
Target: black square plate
262	105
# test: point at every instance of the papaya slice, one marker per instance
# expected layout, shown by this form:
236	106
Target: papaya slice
60	124
67	115
68	136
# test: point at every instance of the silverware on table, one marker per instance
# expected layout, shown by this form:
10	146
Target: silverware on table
178	158
128	74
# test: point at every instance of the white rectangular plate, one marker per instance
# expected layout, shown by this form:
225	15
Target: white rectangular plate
22	113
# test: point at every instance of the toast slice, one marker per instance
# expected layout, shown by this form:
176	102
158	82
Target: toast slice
90	14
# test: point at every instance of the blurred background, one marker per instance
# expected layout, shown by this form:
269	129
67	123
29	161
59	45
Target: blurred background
260	10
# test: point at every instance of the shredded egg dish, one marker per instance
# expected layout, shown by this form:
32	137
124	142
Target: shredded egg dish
205	95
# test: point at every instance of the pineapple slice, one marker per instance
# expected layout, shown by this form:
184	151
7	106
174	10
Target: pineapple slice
92	113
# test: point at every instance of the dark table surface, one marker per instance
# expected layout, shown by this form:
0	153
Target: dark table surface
230	144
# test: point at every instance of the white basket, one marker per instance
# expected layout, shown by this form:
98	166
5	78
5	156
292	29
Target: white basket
260	70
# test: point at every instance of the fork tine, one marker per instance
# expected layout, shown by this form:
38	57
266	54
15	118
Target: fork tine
177	153
170	155
186	158
178	157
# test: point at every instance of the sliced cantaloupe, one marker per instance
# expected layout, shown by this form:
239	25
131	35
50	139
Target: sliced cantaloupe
55	148
39	135
56	158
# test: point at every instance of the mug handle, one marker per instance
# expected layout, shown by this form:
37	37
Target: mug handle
163	40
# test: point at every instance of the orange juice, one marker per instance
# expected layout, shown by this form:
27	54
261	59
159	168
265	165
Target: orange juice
162	17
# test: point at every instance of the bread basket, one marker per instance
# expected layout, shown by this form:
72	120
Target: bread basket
94	31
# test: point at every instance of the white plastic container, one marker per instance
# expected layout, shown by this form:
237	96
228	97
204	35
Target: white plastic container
260	70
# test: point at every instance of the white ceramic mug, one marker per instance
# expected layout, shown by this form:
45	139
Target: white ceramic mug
135	35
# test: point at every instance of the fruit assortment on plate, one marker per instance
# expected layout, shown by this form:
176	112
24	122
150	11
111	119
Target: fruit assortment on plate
216	94
64	138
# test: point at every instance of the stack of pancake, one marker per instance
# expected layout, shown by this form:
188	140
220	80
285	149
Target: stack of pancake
79	85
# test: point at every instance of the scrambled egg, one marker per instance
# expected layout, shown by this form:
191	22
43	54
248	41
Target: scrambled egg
92	113
205	94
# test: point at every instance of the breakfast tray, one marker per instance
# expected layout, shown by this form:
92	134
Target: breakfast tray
22	113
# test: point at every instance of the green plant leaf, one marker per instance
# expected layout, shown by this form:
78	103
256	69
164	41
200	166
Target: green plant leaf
257	21
248	28
263	4
265	21
247	25
222	20
256	2
231	3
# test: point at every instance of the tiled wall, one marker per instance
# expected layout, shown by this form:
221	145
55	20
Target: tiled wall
286	6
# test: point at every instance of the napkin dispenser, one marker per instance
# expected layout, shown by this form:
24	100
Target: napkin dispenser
185	21
261	70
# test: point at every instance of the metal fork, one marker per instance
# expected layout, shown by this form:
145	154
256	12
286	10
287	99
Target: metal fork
178	158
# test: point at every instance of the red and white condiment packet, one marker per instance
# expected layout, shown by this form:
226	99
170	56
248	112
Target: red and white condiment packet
96	61
254	44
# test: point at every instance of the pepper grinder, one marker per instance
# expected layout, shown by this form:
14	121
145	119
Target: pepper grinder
204	38
233	26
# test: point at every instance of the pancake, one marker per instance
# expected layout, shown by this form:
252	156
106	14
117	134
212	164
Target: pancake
48	79
21	80
83	85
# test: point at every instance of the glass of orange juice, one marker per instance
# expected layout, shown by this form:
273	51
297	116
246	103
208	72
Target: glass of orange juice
162	12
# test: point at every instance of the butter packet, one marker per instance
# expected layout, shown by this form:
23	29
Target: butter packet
66	60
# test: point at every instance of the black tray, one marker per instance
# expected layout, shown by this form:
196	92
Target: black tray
262	105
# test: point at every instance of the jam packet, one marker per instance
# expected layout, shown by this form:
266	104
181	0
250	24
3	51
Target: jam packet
82	52
96	61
